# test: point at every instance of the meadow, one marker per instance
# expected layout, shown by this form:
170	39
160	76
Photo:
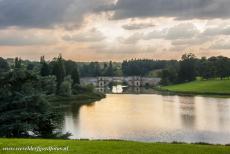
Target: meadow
212	87
109	147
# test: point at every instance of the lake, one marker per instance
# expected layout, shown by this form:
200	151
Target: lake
151	118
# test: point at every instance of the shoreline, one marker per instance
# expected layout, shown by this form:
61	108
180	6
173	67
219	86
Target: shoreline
84	98
187	93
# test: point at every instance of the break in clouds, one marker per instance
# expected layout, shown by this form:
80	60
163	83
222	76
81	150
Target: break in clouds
114	29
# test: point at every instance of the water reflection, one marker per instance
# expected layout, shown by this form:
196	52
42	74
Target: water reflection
152	118
121	89
187	109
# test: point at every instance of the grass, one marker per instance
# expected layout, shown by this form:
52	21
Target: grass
213	87
111	147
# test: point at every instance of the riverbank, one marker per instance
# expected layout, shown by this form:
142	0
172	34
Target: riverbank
203	87
83	98
109	147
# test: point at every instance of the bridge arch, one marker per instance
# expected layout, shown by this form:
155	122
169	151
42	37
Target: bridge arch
132	81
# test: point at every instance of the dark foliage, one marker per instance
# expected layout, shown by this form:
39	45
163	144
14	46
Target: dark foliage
24	111
143	67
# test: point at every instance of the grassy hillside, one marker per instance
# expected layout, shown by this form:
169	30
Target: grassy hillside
202	87
111	147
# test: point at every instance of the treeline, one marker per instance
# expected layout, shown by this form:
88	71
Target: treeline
25	89
95	69
190	67
142	67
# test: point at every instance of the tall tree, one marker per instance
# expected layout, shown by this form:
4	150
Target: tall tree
109	71
45	70
4	66
22	108
187	70
75	76
17	63
59	71
66	87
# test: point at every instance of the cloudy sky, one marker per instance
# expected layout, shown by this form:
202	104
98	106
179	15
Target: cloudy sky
102	30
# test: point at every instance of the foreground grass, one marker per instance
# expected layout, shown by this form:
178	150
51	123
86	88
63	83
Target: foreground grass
112	147
213	87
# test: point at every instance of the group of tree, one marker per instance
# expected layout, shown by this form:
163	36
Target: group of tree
65	72
95	69
25	110
190	67
142	67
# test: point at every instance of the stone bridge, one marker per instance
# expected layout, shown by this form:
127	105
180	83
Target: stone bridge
133	81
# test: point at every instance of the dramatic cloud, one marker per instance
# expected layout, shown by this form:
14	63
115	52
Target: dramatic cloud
45	13
180	9
114	29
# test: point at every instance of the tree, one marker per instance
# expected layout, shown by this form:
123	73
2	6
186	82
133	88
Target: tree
4	66
142	67
222	65
109	71
69	66
169	76
59	71
23	108
187	69
75	76
66	87
17	63
48	84
205	68
45	70
30	66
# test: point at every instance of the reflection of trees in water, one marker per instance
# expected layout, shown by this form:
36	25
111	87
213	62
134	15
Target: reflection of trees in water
72	111
75	111
223	115
187	111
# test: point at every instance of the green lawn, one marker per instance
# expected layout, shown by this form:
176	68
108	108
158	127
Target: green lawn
111	147
202	87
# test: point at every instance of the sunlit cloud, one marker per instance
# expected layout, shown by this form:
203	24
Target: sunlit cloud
102	30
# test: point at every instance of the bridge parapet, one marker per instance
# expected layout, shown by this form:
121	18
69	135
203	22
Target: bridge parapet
133	81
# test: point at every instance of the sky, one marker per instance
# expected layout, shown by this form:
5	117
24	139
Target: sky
103	30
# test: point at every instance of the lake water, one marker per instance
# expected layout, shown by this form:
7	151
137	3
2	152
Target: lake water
151	118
